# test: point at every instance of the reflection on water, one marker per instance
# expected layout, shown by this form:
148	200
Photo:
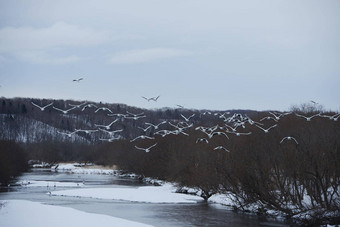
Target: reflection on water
200	214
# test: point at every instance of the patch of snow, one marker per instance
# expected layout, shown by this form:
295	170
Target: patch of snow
74	168
29	214
145	194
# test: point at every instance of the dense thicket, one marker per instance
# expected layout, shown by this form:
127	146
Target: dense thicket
13	161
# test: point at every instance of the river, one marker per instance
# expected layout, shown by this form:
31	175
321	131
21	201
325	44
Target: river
164	215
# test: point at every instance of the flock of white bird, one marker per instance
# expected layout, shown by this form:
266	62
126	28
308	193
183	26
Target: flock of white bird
231	124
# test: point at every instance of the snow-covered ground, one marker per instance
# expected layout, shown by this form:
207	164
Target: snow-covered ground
77	168
26	213
146	194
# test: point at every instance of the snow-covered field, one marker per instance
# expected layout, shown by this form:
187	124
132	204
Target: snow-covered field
146	194
26	213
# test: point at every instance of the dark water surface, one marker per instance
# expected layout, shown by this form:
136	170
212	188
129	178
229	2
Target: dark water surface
164	215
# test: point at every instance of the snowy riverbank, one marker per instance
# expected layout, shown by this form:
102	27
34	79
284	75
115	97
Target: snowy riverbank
29	214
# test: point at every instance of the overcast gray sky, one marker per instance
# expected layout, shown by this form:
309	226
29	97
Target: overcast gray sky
216	54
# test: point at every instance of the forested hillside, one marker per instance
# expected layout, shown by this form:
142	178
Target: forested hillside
282	161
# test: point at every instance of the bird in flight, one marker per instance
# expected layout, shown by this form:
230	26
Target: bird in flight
70	134
77	105
151	99
88	106
142	137
146	149
199	140
308	118
110	139
180	106
103	108
289	138
42	108
107	126
64	111
268	118
78	80
221	148
187	118
155	126
240	133
111	133
87	131
266	130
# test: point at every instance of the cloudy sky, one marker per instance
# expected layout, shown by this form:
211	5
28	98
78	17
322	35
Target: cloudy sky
217	54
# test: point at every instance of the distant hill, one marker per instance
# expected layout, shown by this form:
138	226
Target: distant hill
24	122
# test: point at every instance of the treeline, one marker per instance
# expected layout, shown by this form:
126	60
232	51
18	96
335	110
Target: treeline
13	161
300	180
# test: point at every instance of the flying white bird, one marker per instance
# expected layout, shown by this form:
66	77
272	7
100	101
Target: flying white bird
199	140
219	134
117	115
164	133
308	118
156	126
78	80
146	149
110	139
266	130
70	134
103	108
277	116
334	117
88	106
221	148
87	131
187	118
151	99
145	129
315	103
111	133
42	108
240	133
134	117
77	105
142	137
64	111
268	118
289	138
180	106
107	126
